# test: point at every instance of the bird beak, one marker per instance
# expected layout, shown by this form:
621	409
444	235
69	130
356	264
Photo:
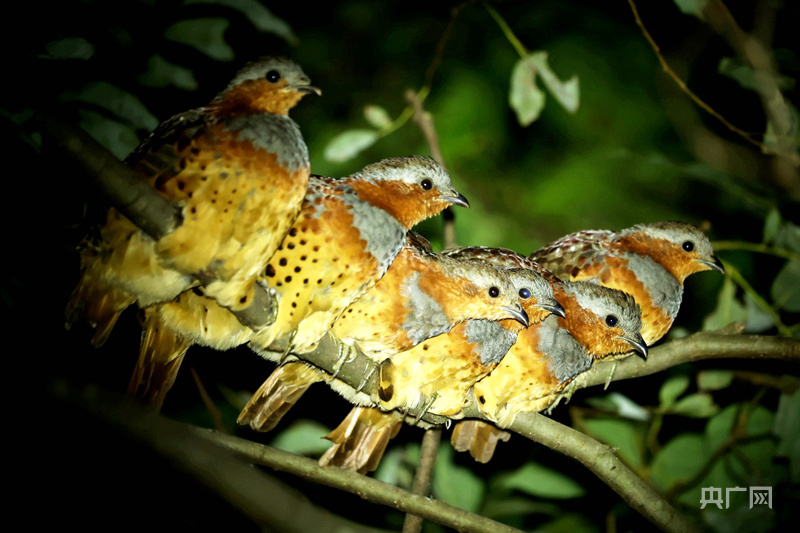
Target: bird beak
307	89
714	264
554	307
518	314
638	345
456	199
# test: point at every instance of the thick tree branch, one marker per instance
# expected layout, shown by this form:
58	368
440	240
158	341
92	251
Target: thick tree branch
355	483
266	501
697	347
135	199
601	460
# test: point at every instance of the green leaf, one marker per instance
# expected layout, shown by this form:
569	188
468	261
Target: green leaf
737	71
456	485
377	116
788	237
627	408
567	93
568	523
758	321
205	34
692	7
537	480
525	98
304	437
261	17
672	388
69	48
786	287
348	144
714	379
120	102
504	505
771	224
698	405
118	138
728	310
624	436
162	73
679	460
787	428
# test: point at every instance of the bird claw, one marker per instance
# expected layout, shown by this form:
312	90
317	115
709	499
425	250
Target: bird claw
426	407
610	375
346	355
366	378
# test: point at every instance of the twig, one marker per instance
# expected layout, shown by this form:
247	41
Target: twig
423	478
207	401
696	99
425	122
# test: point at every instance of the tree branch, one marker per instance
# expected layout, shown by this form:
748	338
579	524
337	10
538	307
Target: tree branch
264	500
700	346
423	478
355	483
601	460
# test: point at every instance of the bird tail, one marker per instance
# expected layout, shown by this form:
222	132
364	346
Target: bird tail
282	389
360	441
96	302
161	353
478	437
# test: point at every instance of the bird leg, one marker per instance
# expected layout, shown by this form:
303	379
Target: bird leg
288	349
610	375
426	407
366	378
347	354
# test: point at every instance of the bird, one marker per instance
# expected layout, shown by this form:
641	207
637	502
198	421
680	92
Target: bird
649	261
435	375
237	169
348	233
422	294
599	322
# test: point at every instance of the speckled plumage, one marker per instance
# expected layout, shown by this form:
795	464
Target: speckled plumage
237	169
437	373
547	356
649	261
434	375
347	235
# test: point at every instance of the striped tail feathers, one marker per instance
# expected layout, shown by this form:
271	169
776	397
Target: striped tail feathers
97	303
282	389
478	437
360	441
161	353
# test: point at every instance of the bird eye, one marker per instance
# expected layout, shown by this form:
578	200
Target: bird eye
426	184
494	292
273	76
687	246
524	293
611	321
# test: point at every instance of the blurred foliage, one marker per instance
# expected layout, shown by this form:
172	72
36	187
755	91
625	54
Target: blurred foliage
583	132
